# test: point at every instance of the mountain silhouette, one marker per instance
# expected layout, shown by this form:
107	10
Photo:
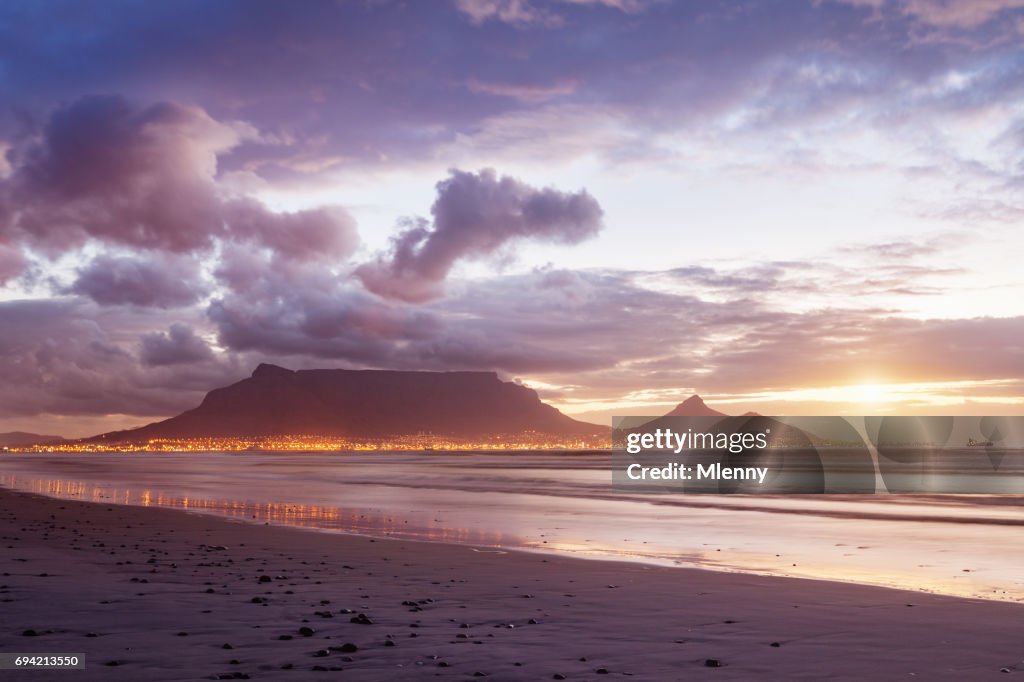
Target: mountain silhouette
276	401
20	439
694	406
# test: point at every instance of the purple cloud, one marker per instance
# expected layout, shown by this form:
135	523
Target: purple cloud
71	358
327	233
179	345
474	215
145	177
156	280
111	171
12	263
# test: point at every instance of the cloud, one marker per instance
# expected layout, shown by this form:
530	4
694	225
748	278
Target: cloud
5	165
109	170
954	14
473	216
326	233
516	12
179	345
12	263
526	12
526	92
154	280
146	177
289	309
71	358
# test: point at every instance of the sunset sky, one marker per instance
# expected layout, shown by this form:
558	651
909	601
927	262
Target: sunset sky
793	208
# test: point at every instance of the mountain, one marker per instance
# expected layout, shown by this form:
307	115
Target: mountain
748	422
276	401
694	406
20	439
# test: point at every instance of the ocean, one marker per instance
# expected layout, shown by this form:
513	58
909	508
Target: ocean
962	545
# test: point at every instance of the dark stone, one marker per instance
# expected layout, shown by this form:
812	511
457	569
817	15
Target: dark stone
712	663
307	631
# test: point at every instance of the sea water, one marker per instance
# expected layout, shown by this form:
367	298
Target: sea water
963	545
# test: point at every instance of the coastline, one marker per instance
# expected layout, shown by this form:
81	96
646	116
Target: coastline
160	592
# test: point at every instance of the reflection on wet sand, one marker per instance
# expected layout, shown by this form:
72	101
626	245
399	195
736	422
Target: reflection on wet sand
958	545
360	522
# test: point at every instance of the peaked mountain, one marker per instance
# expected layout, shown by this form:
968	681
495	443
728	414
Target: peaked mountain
276	401
694	406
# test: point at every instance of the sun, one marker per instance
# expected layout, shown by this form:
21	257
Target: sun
869	393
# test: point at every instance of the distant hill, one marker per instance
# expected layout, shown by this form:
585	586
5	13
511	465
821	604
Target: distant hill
276	401
694	406
20	439
750	422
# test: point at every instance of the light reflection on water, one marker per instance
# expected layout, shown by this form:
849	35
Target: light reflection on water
963	545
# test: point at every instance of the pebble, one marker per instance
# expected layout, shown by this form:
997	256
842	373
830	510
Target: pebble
712	663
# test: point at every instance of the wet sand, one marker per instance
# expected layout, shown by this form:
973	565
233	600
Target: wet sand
963	546
158	594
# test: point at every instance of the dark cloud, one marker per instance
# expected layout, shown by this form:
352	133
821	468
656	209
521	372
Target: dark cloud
473	216
601	335
145	177
111	171
289	309
158	280
609	335
177	346
70	358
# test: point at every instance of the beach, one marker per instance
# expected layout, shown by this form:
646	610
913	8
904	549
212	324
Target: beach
162	594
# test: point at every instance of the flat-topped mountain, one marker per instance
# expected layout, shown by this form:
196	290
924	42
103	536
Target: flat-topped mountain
276	401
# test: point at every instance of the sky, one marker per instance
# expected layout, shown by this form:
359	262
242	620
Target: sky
794	208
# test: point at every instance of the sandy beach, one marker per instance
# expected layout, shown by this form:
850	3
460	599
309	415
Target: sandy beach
158	594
